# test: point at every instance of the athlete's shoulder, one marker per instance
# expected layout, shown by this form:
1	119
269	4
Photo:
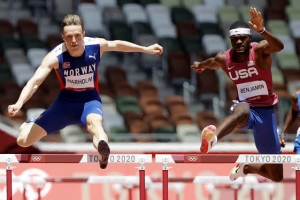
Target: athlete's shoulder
59	49
90	41
259	45
221	56
221	53
254	44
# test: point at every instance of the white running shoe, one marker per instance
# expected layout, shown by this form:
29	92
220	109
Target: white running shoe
209	138
237	171
25	123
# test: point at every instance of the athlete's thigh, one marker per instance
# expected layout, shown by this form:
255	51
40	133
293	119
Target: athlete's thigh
242	109
91	107
59	115
31	133
274	168
265	132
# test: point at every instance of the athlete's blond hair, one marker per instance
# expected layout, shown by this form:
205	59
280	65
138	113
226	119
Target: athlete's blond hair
71	19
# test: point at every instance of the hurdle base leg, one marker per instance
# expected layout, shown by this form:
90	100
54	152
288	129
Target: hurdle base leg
24	192
165	178
298	183
9	178
142	185
297	168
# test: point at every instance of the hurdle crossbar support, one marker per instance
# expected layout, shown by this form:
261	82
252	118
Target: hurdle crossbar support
165	171
39	181
9	177
297	168
142	185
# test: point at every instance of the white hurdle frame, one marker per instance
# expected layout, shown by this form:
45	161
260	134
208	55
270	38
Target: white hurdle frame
128	182
9	159
167	159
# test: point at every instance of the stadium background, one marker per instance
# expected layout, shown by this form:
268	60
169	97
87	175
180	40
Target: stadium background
151	104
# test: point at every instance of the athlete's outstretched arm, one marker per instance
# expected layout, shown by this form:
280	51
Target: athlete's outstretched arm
124	46
48	63
271	44
211	63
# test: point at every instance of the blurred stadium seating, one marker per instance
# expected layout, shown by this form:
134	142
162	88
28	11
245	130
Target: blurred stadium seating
146	98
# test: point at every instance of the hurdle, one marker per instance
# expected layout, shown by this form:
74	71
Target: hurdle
167	159
130	182
142	159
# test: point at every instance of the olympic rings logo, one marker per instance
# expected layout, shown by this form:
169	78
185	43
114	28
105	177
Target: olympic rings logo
192	158
36	158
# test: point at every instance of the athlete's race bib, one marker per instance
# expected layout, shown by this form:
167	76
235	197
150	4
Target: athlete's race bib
81	81
252	89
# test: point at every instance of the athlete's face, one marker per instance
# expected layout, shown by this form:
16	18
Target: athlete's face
73	36
240	43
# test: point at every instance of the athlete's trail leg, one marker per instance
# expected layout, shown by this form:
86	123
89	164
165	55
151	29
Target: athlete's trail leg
273	172
30	134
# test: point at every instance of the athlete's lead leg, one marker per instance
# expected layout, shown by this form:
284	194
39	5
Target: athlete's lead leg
100	140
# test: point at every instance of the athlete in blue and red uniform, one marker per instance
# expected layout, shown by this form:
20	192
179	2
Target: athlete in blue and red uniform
291	117
248	65
76	65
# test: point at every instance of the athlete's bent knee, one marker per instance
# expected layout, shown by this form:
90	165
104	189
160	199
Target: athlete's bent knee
94	121
21	141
